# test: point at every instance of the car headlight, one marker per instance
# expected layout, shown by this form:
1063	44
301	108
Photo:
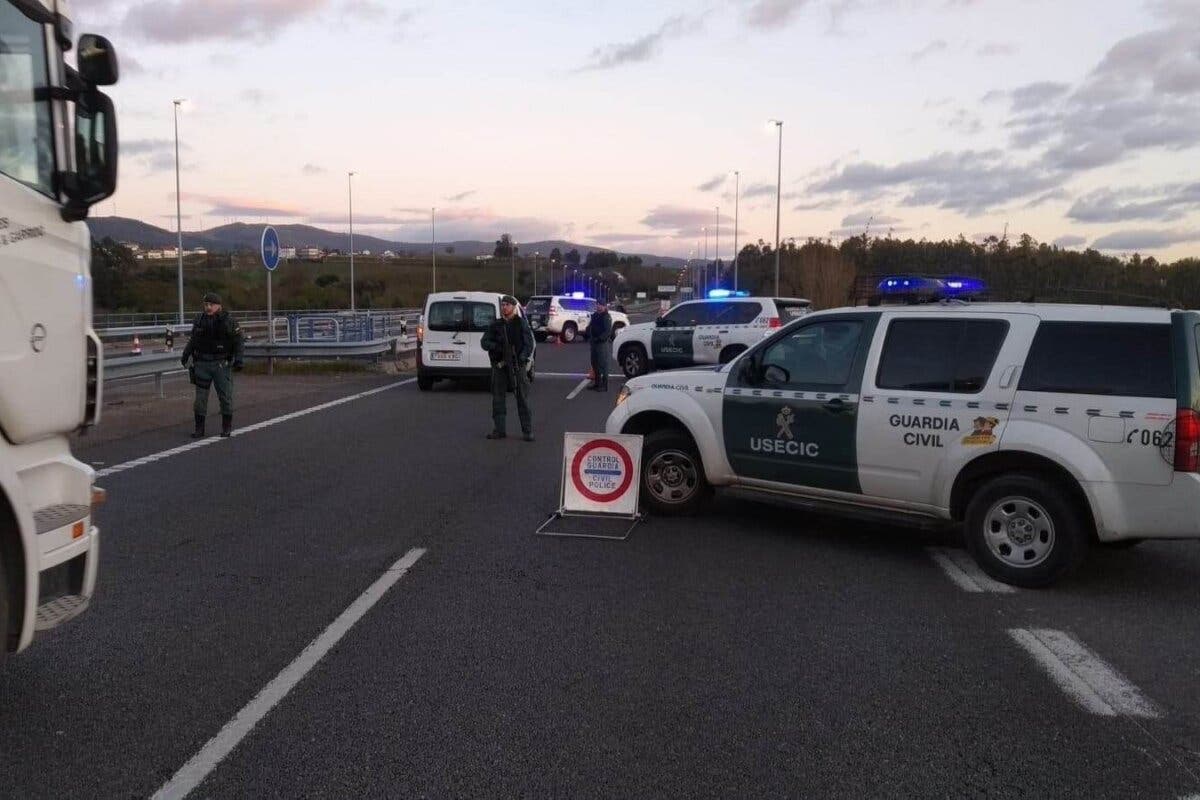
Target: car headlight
623	395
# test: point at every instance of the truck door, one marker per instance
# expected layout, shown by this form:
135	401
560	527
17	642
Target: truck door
672	342
790	409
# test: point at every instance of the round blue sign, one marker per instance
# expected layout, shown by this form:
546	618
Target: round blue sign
270	248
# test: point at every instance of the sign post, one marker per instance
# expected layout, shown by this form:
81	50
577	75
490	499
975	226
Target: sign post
601	478
269	250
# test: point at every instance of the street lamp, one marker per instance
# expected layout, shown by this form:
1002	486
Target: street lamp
350	187
737	188
717	252
778	123
705	229
433	243
178	209
536	253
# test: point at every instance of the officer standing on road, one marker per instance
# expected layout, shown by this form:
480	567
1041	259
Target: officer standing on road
599	333
509	344
215	345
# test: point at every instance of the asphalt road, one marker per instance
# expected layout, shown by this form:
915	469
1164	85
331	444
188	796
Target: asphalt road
753	651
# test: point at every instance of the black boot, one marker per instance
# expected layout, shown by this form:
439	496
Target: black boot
199	432
226	425
496	435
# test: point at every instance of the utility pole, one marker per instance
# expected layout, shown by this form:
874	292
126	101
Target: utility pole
737	187
433	241
178	210
778	200
350	187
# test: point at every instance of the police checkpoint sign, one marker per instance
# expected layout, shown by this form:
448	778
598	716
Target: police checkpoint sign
600	473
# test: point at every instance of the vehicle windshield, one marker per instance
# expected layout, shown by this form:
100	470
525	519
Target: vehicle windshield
792	310
459	315
538	305
26	136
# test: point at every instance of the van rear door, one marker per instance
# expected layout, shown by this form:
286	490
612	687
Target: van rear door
447	332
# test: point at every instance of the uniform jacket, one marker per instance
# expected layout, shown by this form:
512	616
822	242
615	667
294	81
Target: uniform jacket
600	327
215	338
520	340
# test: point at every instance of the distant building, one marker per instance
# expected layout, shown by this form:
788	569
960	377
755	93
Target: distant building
388	254
132	246
287	253
365	252
310	254
198	251
484	258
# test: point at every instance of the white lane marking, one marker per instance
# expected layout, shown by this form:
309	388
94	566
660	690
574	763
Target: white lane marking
966	574
583	384
193	773
575	375
211	440
1083	675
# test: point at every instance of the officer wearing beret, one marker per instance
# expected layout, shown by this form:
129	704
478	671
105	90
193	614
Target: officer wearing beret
216	345
509	345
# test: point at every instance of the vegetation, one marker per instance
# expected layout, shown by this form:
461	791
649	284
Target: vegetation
817	269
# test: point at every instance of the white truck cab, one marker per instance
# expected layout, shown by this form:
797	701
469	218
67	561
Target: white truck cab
1039	427
58	151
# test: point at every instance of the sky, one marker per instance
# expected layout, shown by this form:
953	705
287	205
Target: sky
620	123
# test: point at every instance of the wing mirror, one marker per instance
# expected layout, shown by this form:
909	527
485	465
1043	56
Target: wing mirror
97	60
95	176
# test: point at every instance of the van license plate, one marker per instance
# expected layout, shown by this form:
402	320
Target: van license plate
447	355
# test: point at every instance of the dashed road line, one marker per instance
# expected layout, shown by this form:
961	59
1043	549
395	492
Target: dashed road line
211	440
1084	676
966	574
193	773
583	384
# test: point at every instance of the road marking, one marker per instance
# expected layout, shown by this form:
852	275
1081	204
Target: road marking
193	773
583	384
574	375
211	440
1084	676
966	574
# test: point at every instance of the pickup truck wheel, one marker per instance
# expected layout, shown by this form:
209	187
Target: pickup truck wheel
1025	530
633	360
569	332
673	481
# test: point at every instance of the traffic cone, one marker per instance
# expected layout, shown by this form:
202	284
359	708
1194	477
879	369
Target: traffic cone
137	347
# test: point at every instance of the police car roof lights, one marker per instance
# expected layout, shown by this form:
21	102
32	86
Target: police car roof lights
717	294
577	295
921	287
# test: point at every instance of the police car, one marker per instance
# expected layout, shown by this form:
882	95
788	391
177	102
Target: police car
712	331
566	316
1041	428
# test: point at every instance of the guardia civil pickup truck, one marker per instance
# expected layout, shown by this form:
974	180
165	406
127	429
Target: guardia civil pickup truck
1041	428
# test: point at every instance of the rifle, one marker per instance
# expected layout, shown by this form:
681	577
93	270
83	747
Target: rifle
510	357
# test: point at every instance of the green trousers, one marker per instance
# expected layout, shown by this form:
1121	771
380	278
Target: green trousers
500	387
218	374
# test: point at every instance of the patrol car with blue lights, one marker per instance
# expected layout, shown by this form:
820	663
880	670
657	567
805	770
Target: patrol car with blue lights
1041	428
710	331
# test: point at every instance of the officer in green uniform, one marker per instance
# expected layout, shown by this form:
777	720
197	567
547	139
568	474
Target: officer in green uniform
216	345
509	345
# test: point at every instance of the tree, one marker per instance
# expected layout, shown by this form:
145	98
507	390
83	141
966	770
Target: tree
555	255
505	247
572	257
112	264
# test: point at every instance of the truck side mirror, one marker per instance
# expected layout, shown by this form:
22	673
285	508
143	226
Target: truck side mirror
97	60
95	175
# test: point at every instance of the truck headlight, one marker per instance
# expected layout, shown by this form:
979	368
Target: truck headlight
623	395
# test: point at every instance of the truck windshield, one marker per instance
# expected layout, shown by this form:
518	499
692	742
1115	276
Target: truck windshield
538	305
460	316
26	136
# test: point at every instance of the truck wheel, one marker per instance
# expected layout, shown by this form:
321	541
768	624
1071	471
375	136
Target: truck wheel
1025	530
673	480
569	332
634	361
424	382
732	352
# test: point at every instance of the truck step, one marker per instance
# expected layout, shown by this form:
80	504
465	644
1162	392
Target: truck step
59	610
53	517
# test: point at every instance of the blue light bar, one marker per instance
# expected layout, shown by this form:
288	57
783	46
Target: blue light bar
718	293
577	295
917	285
956	286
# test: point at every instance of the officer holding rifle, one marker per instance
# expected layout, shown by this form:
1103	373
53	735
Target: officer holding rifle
509	344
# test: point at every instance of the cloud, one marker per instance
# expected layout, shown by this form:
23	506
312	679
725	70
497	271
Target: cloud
847	233
154	155
642	48
1145	239
1070	240
772	14
716	182
759	190
178	21
621	238
936	46
313	169
970	182
458	198
141	147
1035	95
864	217
991	49
817	205
1165	203
1049	197
359	219
241	207
364	9
684	221
255	96
964	122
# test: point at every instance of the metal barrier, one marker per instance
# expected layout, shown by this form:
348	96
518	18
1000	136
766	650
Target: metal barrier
161	319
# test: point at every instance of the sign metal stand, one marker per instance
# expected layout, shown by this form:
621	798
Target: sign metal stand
269	250
600	480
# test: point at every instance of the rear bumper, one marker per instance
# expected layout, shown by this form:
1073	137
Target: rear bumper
1134	511
440	372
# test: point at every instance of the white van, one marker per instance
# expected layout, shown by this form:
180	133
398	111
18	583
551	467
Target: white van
450	337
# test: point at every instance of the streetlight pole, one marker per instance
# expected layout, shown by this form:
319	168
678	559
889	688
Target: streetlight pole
178	210
433	242
536	253
737	188
778	199
512	260
350	187
717	252
706	261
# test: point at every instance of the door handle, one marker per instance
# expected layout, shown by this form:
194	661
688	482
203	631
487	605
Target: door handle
722	331
1006	380
836	406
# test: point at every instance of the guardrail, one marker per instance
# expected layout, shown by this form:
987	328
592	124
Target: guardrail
162	319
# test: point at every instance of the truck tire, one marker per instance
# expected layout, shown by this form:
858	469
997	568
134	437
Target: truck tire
633	360
569	333
1025	530
673	480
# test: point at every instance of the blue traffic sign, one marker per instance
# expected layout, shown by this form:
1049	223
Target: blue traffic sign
270	248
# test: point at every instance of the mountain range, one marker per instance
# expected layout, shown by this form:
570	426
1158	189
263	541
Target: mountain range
242	236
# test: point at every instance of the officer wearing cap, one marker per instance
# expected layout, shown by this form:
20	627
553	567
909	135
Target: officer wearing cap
215	346
509	344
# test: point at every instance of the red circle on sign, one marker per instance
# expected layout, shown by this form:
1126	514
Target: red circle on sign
597	497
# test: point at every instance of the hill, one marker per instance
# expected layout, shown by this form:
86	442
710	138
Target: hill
241	236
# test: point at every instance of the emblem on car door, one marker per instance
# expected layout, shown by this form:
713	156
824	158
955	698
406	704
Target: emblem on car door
37	337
